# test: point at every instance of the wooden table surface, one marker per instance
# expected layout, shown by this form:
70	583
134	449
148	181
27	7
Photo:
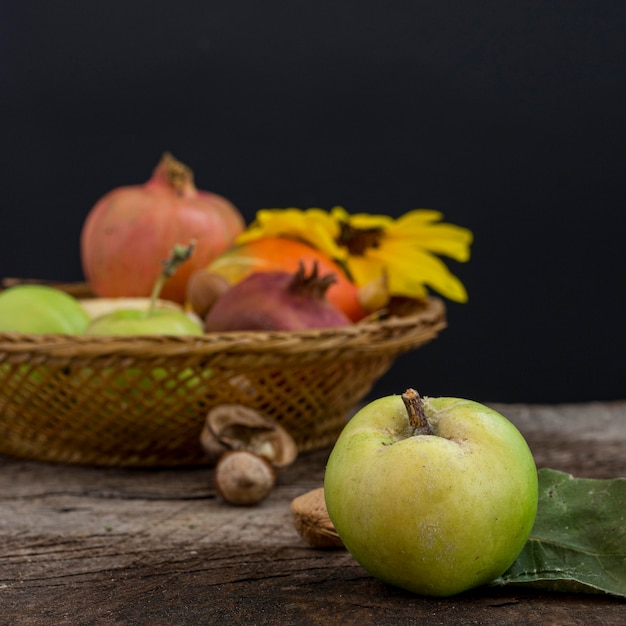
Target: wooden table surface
114	546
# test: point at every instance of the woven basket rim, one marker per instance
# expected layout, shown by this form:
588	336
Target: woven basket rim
370	335
142	400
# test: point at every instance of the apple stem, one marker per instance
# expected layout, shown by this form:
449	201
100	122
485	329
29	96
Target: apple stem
179	254
415	408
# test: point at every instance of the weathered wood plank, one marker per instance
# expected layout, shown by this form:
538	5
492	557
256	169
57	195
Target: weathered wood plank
112	546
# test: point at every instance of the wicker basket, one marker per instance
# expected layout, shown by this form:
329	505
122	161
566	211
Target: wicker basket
142	401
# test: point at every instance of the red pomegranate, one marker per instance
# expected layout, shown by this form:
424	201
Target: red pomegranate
132	229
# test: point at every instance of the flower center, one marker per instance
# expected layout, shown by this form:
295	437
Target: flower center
358	240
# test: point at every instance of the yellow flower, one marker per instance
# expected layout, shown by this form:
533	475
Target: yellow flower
402	253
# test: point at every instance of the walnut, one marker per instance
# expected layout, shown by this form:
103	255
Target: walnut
311	519
244	478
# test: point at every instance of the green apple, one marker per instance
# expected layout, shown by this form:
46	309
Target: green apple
434	495
144	322
41	309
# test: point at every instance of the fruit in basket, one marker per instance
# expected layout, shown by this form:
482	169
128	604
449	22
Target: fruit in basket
151	320
41	309
276	301
95	307
203	291
144	322
272	254
130	229
434	495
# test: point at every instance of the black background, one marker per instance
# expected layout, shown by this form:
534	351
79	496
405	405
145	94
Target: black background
509	117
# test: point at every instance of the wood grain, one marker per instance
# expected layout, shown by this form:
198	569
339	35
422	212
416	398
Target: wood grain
111	546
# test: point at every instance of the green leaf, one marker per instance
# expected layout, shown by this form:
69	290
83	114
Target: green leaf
578	542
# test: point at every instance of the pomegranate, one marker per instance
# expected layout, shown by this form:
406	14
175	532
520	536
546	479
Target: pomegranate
276	301
131	229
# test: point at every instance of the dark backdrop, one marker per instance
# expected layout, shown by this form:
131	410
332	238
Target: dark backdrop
509	117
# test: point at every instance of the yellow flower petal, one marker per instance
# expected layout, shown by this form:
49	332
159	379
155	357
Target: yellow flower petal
409	271
418	218
448	239
365	221
364	269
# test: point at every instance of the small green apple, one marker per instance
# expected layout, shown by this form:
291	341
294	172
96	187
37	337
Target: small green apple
433	495
144	322
41	309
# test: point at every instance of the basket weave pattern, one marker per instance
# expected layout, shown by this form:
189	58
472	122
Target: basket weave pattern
142	401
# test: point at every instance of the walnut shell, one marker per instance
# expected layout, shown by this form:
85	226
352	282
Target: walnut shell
311	519
238	427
